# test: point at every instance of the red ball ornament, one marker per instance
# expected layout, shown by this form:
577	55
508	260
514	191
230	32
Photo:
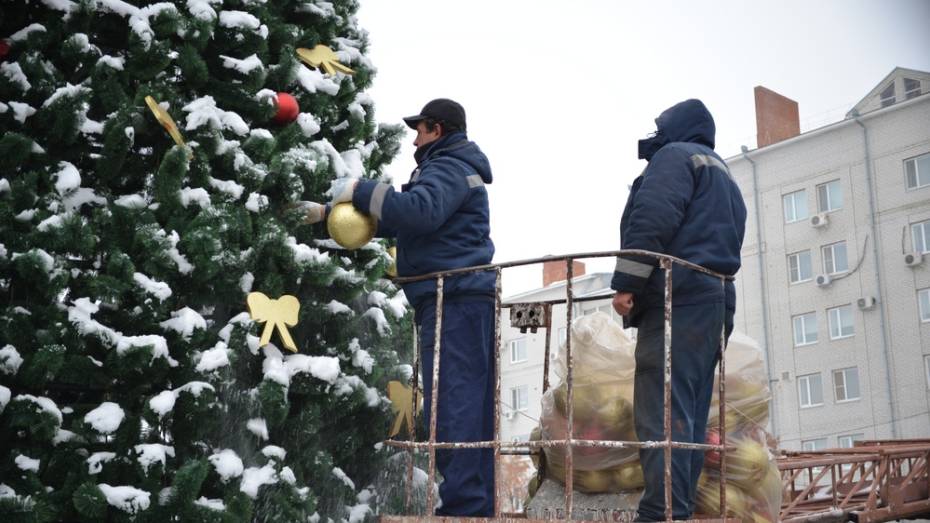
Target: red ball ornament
287	109
4	48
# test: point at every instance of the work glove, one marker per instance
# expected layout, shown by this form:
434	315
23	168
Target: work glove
341	190
312	212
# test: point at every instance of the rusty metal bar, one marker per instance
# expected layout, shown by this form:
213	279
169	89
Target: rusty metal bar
497	392
548	343
667	400
721	409
570	364
431	477
554	443
411	430
543	259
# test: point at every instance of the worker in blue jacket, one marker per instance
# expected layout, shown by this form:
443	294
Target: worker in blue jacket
685	204
441	220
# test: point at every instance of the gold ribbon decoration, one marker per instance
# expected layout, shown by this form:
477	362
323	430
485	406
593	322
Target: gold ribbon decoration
401	396
279	313
165	120
322	57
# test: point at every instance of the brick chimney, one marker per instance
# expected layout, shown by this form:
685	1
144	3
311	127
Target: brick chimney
776	117
555	271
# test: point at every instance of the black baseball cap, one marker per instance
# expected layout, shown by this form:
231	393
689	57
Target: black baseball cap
449	112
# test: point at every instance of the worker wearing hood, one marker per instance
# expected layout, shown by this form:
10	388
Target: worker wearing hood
685	204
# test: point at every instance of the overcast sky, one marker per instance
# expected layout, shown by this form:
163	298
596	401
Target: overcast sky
558	93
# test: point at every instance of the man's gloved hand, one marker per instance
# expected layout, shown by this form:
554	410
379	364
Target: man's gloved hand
313	212
623	303
341	190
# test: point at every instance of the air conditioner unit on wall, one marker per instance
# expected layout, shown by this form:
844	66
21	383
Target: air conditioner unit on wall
913	259
823	280
866	303
819	220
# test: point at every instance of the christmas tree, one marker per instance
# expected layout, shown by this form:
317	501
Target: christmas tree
133	385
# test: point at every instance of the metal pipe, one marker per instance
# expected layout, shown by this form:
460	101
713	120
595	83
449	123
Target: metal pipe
497	392
721	410
667	401
543	259
411	430
570	364
886	355
431	477
763	290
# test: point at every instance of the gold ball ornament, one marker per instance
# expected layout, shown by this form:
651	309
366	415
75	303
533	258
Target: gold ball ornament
350	227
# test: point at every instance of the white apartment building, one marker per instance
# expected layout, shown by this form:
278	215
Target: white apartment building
523	354
835	282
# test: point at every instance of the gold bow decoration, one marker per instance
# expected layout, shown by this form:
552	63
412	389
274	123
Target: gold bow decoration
165	120
279	313
401	396
322	57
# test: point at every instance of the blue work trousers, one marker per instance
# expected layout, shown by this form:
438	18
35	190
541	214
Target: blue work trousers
695	351
466	401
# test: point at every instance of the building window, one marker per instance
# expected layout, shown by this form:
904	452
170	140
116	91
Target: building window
810	390
805	329
887	95
846	442
814	444
799	267
917	171
841	322
520	397
795	206
563	335
846	384
920	235
834	258
923	304
518	350
911	88
829	196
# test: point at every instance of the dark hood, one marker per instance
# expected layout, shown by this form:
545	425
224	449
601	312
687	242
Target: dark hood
688	121
457	146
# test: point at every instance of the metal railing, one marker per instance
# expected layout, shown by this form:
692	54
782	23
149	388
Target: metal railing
666	263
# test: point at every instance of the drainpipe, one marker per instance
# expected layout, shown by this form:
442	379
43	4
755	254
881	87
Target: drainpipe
762	288
878	275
